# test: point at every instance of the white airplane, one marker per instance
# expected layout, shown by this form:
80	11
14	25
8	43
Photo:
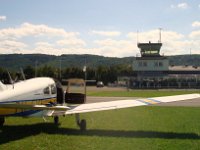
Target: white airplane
43	97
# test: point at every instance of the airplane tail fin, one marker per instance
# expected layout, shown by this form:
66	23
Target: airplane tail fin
2	86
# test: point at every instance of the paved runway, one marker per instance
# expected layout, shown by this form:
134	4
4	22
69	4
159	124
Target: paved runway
186	103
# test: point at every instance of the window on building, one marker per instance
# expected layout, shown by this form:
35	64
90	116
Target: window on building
140	64
144	63
156	64
160	64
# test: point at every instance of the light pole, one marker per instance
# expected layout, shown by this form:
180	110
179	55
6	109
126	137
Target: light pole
36	68
85	73
60	68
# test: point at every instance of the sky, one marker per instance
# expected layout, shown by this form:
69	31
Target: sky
101	27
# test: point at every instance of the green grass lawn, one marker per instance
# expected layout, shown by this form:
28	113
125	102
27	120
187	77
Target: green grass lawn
150	127
141	93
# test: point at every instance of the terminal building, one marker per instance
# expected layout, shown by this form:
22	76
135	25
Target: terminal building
152	70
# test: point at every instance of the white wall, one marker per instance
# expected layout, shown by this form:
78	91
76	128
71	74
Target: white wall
151	65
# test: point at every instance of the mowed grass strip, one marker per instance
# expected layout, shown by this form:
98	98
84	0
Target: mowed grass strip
149	127
140	93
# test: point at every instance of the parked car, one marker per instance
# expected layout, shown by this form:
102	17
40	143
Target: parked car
100	84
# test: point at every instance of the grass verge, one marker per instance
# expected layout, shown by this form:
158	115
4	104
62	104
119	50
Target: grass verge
150	127
140	93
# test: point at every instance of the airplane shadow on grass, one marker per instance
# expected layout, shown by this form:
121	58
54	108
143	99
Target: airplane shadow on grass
12	133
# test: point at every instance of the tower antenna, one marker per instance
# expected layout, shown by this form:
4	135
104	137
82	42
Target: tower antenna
137	36
160	35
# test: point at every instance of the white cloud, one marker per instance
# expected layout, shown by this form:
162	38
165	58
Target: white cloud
154	36
195	35
2	18
183	5
27	29
71	42
44	50
107	33
8	46
196	24
180	6
39	36
29	38
111	42
119	48
43	44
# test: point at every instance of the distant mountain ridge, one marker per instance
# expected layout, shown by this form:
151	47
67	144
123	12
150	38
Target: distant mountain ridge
15	61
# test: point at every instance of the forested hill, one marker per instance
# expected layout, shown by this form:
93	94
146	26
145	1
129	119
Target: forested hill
15	61
192	60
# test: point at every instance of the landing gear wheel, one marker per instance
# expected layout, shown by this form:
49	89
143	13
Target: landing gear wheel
2	120
80	123
83	125
56	120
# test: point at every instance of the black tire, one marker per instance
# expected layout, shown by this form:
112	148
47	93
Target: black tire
56	120
83	125
2	120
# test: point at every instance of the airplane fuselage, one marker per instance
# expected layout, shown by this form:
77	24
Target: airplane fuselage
36	91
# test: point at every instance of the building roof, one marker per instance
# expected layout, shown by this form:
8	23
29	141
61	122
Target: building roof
151	58
184	68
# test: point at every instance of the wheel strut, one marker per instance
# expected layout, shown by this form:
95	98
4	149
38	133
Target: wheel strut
2	121
56	120
81	123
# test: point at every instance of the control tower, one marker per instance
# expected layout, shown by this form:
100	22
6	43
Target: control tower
149	49
150	59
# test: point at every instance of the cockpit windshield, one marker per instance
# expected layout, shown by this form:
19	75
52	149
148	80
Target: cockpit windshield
51	89
46	90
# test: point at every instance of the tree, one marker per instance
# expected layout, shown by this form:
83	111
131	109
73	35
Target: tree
29	72
47	71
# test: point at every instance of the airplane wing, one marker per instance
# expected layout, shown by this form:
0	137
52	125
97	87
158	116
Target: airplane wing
83	108
34	107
